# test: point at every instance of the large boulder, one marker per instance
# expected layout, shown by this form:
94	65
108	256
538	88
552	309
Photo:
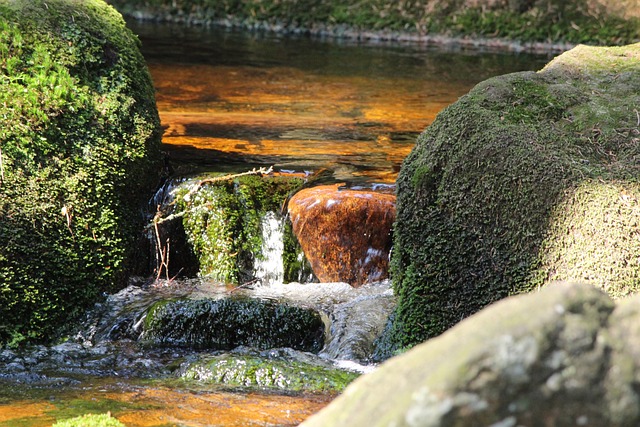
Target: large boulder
529	178
345	234
564	356
79	156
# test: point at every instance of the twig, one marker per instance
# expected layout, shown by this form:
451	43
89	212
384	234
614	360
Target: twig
163	250
638	116
254	171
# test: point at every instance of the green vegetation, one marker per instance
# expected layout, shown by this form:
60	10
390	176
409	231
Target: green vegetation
257	372
529	178
103	420
576	21
226	323
79	138
223	224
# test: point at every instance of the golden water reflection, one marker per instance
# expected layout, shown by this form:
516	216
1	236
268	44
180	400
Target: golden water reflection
295	119
142	406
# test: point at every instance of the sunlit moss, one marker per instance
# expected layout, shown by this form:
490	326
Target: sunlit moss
90	420
529	178
79	155
223	224
256	372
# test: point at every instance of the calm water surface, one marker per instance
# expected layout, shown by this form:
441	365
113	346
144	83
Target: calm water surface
233	101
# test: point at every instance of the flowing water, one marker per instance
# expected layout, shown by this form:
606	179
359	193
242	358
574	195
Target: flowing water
231	101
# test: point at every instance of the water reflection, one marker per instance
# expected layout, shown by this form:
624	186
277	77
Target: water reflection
236	100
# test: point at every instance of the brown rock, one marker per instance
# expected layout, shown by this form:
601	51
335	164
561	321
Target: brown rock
345	234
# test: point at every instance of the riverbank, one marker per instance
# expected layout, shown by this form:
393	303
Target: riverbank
536	26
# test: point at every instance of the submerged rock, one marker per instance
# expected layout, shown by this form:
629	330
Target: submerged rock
345	234
529	178
564	356
225	323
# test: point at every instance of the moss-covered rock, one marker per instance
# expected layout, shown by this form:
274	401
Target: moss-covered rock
226	323
267	373
80	138
225	224
90	420
529	178
575	21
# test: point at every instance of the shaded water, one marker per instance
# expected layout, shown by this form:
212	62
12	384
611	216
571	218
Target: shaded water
231	101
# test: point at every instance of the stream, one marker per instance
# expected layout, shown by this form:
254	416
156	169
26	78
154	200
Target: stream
229	102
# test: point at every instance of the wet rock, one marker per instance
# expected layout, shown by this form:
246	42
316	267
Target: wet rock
529	178
229	224
225	323
564	356
270	370
356	325
345	234
14	367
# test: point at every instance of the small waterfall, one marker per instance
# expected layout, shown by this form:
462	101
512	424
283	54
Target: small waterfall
269	265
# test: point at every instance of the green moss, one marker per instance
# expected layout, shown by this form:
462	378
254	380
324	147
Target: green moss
531	177
80	139
256	372
223	324
575	21
297	267
223	224
90	420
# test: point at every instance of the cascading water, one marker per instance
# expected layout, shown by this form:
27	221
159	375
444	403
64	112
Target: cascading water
268	266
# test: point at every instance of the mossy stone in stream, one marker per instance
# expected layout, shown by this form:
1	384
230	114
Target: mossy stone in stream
79	155
223	223
257	372
529	178
226	323
90	420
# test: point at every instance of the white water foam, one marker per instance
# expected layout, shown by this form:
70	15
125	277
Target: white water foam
270	268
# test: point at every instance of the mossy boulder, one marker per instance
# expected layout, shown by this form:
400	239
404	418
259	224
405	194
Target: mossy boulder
280	374
529	178
79	134
226	323
226	222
